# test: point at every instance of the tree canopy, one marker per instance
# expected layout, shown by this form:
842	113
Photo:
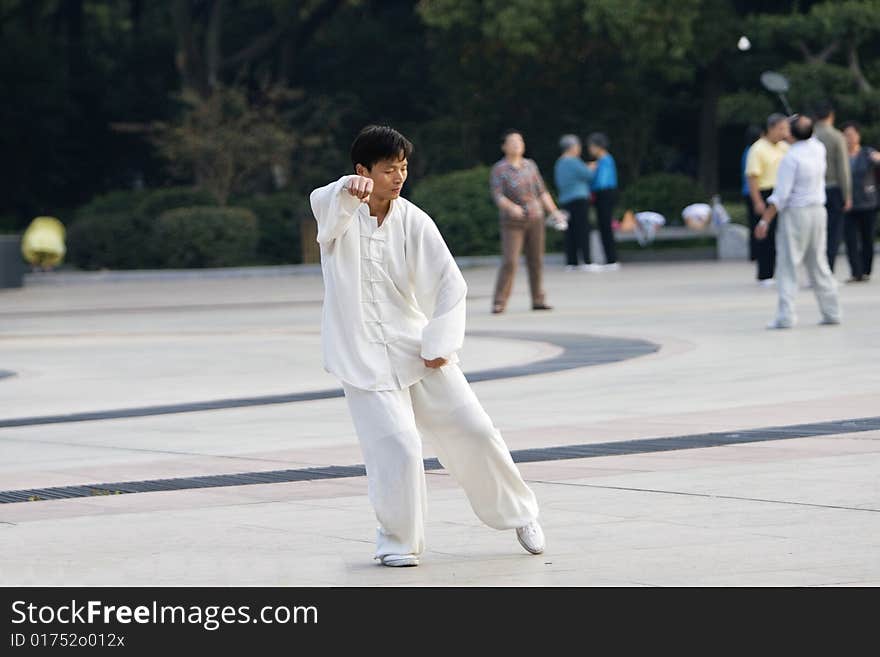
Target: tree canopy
86	82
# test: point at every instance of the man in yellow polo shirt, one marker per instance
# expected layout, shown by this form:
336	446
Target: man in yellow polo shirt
761	166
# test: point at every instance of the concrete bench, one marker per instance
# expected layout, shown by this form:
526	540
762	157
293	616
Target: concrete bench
731	242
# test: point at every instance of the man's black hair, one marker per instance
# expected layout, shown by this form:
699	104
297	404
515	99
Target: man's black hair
599	139
775	119
822	110
379	142
801	127
855	125
508	132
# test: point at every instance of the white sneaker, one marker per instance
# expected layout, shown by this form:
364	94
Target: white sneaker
829	321
766	282
590	267
571	267
531	537
399	560
614	266
776	324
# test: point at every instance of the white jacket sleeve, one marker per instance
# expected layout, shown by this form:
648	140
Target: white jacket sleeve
785	176
333	208
440	290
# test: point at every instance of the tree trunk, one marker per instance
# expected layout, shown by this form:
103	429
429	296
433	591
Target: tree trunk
189	61
822	56
856	70
213	54
708	138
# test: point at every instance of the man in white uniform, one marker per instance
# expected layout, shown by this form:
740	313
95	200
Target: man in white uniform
799	197
393	321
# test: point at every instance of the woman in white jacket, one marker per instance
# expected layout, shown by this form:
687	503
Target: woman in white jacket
393	321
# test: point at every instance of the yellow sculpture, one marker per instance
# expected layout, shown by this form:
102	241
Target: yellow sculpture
42	244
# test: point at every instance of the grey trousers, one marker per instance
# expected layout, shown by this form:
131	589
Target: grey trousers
801	239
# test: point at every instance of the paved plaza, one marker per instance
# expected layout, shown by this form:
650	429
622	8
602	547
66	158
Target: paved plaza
187	389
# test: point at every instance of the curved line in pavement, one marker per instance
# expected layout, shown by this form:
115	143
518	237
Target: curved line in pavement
578	350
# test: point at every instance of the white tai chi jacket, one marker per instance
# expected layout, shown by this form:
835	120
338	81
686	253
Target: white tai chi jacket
393	294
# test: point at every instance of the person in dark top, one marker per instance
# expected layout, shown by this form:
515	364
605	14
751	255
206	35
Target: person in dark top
838	187
861	220
604	185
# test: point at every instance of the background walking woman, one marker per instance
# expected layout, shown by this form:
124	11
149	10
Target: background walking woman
861	220
521	196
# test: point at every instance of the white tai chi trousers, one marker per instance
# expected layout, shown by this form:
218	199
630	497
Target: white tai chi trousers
443	408
800	238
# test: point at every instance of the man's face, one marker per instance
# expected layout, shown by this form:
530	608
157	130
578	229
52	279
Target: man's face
514	145
852	137
595	151
778	132
388	177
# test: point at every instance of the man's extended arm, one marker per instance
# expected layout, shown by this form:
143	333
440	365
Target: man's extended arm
334	205
755	194
780	196
753	171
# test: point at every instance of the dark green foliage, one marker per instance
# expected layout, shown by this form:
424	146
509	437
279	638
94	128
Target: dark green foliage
109	232
117	240
116	202
170	198
206	237
666	193
115	230
460	204
278	216
88	81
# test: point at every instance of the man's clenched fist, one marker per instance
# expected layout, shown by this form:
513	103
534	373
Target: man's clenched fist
437	362
360	187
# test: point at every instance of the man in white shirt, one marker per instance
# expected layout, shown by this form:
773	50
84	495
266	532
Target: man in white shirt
393	321
799	198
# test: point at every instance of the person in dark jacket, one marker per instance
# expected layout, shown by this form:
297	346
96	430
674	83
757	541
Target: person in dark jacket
838	188
604	186
861	220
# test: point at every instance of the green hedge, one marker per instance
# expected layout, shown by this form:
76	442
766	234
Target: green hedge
117	202
460	204
666	193
171	198
279	217
207	237
118	230
112	241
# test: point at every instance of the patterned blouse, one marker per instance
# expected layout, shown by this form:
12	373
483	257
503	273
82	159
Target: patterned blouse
524	186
